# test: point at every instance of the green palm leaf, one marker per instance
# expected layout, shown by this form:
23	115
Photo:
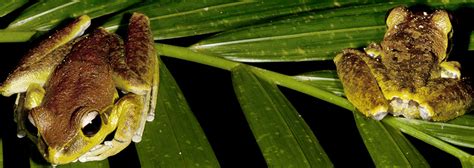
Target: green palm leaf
387	146
283	136
174	138
457	132
325	79
313	36
250	31
189	18
10	5
44	15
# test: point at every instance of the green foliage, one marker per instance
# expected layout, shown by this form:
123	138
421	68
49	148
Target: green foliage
284	138
256	31
174	138
10	5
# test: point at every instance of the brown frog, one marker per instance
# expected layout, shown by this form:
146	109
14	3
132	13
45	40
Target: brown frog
407	74
67	87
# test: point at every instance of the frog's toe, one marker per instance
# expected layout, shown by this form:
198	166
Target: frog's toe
450	69
425	113
379	116
405	108
379	112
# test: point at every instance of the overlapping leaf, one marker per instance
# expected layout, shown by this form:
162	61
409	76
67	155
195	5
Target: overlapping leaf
312	36
305	37
282	135
387	146
325	79
9	5
174	138
15	36
458	132
187	18
467	160
44	15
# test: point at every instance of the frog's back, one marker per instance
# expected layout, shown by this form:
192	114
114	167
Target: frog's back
414	45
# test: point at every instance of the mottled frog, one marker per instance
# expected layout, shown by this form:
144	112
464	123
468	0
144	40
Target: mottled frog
407	73
67	88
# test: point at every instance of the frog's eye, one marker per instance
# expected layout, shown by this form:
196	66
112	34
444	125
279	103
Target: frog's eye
442	22
397	16
90	123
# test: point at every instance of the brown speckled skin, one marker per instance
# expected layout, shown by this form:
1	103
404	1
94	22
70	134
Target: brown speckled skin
137	67
139	47
364	89
72	90
46	55
70	80
408	67
412	50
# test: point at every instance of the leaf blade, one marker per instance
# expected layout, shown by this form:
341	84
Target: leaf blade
307	37
454	132
282	135
15	36
387	147
10	5
44	15
182	19
324	79
313	36
174	138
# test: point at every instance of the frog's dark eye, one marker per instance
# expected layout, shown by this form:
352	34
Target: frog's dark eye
90	123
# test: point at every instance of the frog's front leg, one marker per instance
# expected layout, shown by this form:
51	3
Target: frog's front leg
360	85
126	117
40	61
24	103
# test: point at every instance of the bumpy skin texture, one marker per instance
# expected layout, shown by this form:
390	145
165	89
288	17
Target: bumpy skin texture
407	74
80	77
72	89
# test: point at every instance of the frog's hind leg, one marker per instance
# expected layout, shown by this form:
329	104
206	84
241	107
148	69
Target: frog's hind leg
360	85
445	99
136	71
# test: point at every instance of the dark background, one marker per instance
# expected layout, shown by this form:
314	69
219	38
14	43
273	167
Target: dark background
210	96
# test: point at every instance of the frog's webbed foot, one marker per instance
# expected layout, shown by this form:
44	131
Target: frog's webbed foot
445	99
360	85
373	50
450	69
126	117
